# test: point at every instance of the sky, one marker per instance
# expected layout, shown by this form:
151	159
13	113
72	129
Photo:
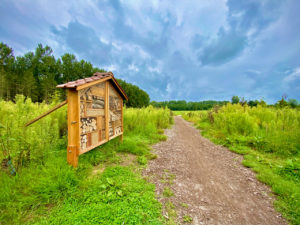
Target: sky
174	50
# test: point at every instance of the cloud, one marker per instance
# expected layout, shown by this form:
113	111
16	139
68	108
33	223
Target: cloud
245	20
85	42
294	76
292	83
173	50
227	46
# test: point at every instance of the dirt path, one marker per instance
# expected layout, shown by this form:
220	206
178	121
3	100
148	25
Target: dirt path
208	181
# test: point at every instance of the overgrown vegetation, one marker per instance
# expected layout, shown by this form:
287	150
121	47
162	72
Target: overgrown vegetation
46	190
269	139
36	74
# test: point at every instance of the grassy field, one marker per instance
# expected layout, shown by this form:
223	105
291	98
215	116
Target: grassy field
268	138
106	188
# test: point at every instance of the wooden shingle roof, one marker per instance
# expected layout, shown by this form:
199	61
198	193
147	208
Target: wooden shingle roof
96	78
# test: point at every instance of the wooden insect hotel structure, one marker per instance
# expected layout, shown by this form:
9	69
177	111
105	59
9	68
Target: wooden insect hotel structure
95	113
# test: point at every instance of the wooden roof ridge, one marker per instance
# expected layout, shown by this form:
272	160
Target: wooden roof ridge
96	78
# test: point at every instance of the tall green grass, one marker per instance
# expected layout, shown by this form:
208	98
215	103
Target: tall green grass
269	138
24	145
46	190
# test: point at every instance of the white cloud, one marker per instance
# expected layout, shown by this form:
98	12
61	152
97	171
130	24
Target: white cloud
132	67
111	68
295	75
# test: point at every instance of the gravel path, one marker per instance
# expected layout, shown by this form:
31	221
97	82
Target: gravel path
208	181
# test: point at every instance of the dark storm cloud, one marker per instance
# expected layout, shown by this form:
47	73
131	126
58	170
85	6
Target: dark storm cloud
246	19
84	41
227	46
172	49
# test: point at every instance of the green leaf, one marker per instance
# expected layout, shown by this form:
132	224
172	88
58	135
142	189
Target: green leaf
110	181
1	125
103	186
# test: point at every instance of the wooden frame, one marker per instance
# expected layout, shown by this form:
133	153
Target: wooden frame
75	133
89	108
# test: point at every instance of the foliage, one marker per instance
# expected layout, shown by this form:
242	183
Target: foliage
183	105
293	103
118	196
46	190
27	144
187	218
142	160
137	98
235	99
167	192
36	74
270	140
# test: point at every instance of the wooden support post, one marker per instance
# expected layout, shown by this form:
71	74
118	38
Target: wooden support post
122	114
73	127
107	115
46	113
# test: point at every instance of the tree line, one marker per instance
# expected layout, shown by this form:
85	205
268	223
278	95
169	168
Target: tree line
36	74
206	105
184	105
283	102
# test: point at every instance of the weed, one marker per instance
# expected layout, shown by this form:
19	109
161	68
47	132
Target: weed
142	160
184	205
168	178
167	192
151	156
171	211
187	218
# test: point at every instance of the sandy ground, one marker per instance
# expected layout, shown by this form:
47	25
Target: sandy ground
208	181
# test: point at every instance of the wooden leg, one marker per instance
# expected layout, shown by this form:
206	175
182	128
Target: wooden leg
121	138
72	156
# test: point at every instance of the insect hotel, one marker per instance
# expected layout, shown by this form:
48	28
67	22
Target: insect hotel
95	113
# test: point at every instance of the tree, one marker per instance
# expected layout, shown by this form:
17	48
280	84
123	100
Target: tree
6	65
262	103
36	74
183	105
136	97
235	100
282	103
293	103
252	103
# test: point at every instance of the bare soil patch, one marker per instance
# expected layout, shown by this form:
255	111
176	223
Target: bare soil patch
207	183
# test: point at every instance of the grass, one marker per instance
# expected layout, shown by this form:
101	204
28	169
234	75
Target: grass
168	178
167	192
118	196
184	205
172	215
187	219
46	190
268	138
